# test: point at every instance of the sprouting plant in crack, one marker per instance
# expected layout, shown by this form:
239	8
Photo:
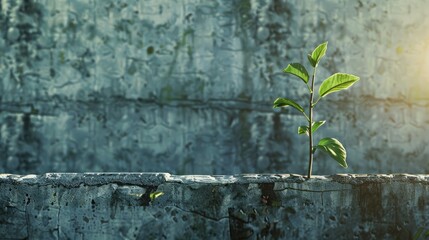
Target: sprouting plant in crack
334	83
155	195
149	196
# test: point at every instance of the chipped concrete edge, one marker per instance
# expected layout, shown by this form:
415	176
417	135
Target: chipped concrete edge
155	179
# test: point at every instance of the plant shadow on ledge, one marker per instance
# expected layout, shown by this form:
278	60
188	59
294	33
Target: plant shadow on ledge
334	83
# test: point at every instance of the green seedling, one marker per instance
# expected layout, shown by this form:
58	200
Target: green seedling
334	83
155	195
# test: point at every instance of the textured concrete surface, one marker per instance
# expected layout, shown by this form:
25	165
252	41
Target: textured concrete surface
118	206
187	86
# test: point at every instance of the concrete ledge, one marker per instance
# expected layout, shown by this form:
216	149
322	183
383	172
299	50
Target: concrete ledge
249	206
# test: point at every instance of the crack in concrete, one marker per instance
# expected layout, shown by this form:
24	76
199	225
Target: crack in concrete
315	191
58	220
27	221
201	214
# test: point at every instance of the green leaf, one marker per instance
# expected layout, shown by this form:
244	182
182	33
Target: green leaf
155	195
315	126
335	149
303	130
298	70
337	82
310	59
318	53
284	102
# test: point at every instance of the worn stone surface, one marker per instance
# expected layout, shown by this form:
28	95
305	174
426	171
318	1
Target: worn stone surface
253	206
186	86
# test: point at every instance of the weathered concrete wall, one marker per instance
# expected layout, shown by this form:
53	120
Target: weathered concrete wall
118	206
186	86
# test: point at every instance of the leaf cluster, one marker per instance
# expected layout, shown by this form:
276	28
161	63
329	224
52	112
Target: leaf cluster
334	83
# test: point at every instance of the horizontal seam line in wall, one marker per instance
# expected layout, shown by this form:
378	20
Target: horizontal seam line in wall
317	191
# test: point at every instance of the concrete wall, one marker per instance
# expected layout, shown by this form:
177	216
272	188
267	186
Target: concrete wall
187	86
118	206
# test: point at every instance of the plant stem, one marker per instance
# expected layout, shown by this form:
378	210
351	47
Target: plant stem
310	123
314	104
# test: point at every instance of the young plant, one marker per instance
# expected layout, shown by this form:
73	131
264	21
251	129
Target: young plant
334	83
